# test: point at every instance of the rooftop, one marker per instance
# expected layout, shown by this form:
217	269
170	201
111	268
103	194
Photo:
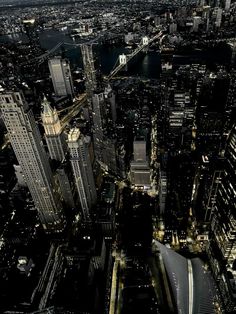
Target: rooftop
74	135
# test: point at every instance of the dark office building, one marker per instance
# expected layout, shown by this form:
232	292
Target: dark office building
222	248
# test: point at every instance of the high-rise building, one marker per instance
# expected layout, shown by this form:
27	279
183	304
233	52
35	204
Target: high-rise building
7	176
82	170
176	112
28	147
53	132
20	176
181	117
173	28
66	183
230	108
61	76
227	4
139	167
139	149
201	3
111	99
30	27
89	70
109	155
218	17
98	136
104	140
222	248
162	191
233	49
196	22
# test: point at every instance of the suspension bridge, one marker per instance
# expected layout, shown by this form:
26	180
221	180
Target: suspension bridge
124	59
45	56
121	62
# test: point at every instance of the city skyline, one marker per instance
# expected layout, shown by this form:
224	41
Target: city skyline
118	157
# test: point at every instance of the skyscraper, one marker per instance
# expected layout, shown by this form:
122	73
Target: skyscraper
162	191
139	167
98	136
196	22
28	147
181	116
222	248
140	150
227	4
230	108
104	143
61	76
111	100
82	170
66	183
53	132
218	17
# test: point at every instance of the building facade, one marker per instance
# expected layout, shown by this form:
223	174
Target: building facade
28	147
104	135
82	170
110	98
53	132
227	4
139	167
222	248
66	183
61	76
98	136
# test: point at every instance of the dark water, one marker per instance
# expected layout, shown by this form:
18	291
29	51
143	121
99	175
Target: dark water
147	65
13	38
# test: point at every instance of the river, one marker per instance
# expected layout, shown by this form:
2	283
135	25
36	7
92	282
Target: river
146	65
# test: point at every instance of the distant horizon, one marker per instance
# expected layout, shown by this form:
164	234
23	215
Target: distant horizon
31	2
25	1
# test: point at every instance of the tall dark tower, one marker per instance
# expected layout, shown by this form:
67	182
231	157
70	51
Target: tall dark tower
230	108
30	27
222	248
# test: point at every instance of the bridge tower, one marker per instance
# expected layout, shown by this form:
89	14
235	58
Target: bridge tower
123	60
145	42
